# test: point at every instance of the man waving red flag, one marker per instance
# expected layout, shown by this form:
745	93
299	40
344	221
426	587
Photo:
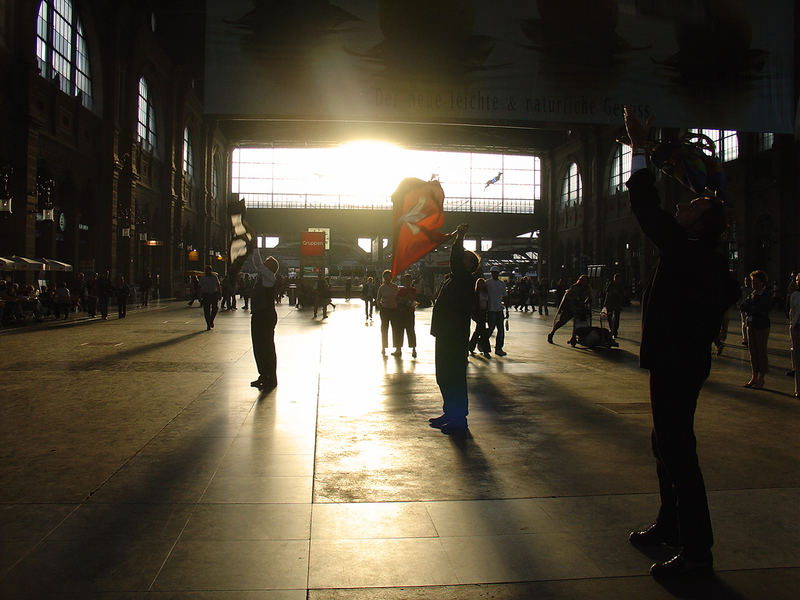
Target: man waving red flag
417	218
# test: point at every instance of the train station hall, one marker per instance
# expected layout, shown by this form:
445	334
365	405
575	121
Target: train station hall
580	222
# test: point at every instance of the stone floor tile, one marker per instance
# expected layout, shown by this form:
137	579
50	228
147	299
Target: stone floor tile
371	520
467	518
229	522
379	563
531	557
235	565
233	489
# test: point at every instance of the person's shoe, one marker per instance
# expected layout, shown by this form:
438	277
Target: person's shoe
652	536
438	421
487	355
719	349
397	353
324	316
681	565
500	352
268	384
790	373
472	352
208	327
413	353
455	428
744	342
572	342
257	383
549	338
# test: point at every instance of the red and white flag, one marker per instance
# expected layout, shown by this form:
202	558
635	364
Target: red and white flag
418	216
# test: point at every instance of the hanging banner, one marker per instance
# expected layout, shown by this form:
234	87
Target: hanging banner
720	64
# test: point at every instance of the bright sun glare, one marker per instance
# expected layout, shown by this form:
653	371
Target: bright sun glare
368	168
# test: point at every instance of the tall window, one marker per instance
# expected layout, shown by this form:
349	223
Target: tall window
215	177
363	175
61	49
765	141
620	168
572	189
146	129
188	165
726	141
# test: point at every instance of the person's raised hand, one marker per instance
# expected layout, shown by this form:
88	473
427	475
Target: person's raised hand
638	132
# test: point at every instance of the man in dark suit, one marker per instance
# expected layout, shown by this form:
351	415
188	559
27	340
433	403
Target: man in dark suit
682	310
263	320
450	326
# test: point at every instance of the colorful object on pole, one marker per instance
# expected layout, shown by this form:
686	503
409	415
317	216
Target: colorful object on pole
241	237
417	217
687	160
691	160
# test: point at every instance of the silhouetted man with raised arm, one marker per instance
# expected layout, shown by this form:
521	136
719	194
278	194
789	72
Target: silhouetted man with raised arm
682	309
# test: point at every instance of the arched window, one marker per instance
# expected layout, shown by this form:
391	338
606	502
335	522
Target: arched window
188	165
215	177
572	189
765	141
146	127
61	49
620	169
726	141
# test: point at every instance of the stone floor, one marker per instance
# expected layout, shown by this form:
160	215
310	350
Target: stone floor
137	462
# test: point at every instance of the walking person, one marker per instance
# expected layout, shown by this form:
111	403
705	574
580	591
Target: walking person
322	296
480	308
794	333
756	308
122	291
573	302
676	349
194	283
210	293
614	298
498	301
91	295
386	299
61	300
368	292
450	328
406	306
145	287
79	289
104	289
263	319
542	291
